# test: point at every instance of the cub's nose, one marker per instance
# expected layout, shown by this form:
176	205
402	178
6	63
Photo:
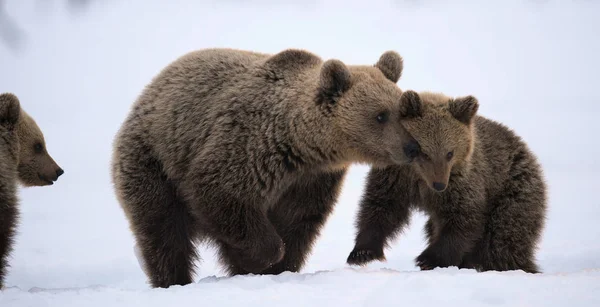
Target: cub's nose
438	186
59	172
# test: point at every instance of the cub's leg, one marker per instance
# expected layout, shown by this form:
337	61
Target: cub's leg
458	219
430	232
516	223
8	224
384	211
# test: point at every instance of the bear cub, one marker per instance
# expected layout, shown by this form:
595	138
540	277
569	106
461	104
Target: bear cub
24	159
248	151
481	187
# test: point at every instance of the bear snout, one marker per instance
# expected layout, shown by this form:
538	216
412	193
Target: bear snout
59	172
439	186
411	149
54	176
50	177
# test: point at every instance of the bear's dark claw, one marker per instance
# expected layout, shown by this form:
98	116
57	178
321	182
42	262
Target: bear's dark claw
363	256
428	260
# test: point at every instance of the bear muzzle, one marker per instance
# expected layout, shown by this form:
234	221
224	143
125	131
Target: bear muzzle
439	186
51	177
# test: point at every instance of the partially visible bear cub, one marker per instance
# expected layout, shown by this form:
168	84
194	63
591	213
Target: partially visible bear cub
478	182
249	151
23	158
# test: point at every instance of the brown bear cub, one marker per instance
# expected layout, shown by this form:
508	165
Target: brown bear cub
248	151
23	158
481	187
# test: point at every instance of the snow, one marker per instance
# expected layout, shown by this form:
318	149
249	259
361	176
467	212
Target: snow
345	287
533	65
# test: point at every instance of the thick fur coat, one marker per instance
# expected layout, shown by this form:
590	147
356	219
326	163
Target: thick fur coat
248	151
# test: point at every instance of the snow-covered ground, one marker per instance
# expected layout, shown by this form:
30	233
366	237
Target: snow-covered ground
532	64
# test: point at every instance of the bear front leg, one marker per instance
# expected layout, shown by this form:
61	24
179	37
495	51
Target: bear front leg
300	215
383	213
430	231
248	242
459	224
8	225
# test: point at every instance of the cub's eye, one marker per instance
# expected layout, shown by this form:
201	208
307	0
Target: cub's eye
383	117
38	148
425	156
450	155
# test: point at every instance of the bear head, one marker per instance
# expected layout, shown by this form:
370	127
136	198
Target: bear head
35	166
363	102
443	130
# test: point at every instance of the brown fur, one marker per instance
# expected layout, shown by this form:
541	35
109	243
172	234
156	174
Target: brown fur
249	151
9	158
478	182
18	162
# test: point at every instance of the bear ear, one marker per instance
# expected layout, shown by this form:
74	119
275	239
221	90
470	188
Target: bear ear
411	105
335	79
391	65
464	108
10	110
292	60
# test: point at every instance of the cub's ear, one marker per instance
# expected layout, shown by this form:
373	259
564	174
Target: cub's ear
391	65
10	110
464	108
411	105
335	79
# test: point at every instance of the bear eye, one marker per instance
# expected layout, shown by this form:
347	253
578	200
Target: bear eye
450	155
383	117
38	147
425	156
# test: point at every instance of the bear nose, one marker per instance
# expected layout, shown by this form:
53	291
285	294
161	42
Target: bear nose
59	172
438	186
412	149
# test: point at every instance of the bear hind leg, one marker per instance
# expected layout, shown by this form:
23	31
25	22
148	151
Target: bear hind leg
514	227
163	228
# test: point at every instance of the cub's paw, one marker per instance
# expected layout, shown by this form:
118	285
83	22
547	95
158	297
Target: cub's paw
362	256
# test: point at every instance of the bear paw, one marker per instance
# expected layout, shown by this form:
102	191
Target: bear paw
432	258
362	256
259	257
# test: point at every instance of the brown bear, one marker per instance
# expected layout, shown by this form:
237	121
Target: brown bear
478	182
248	151
23	158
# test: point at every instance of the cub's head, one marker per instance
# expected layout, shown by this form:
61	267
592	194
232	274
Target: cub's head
443	130
35	166
363	103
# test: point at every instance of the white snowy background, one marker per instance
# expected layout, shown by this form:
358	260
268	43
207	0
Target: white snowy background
533	65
